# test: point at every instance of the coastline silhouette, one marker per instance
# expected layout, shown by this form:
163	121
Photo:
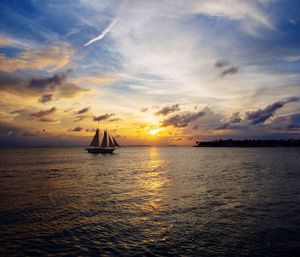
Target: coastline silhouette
249	143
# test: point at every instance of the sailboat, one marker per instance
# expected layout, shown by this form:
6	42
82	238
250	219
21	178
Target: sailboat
108	144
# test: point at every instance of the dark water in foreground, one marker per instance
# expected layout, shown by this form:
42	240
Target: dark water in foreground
143	201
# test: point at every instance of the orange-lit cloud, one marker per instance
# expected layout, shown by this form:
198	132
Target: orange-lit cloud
50	58
95	80
5	41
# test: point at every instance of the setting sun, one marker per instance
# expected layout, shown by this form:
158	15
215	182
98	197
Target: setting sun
153	132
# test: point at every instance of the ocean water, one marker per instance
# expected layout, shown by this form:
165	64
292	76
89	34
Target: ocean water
150	201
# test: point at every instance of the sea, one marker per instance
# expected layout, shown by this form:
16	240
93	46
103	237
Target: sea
150	201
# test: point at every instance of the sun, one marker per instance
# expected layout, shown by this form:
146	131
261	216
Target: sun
153	132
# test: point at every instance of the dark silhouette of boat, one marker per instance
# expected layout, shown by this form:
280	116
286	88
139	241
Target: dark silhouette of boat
108	144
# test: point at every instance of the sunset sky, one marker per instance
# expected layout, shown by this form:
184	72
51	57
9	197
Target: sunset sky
151	72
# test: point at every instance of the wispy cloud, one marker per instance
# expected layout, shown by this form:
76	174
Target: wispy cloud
76	129
103	117
46	98
84	110
226	67
43	116
168	109
51	58
104	32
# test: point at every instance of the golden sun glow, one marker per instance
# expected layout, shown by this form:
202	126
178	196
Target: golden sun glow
153	132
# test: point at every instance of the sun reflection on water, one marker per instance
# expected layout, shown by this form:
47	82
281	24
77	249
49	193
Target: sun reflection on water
151	185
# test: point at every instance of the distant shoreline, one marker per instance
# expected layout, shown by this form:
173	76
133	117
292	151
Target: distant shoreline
249	143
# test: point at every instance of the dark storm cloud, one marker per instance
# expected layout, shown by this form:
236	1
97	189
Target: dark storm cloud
103	117
168	109
261	115
46	98
225	67
182	120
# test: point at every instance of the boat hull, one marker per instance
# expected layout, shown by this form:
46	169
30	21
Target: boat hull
100	150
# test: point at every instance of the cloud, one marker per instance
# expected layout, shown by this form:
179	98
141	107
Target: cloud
261	115
226	67
221	63
46	98
103	117
230	70
84	110
43	113
167	110
4	41
245	11
42	116
50	58
235	118
80	115
41	84
57	84
80	118
19	111
182	120
29	134
288	122
76	129
95	80
114	120
144	109
68	110
104	32
209	121
70	90
90	130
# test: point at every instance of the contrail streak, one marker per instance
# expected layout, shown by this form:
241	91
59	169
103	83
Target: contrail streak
103	33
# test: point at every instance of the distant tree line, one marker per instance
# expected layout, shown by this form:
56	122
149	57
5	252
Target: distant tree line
248	143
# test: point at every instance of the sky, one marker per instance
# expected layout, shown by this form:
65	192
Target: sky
151	72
